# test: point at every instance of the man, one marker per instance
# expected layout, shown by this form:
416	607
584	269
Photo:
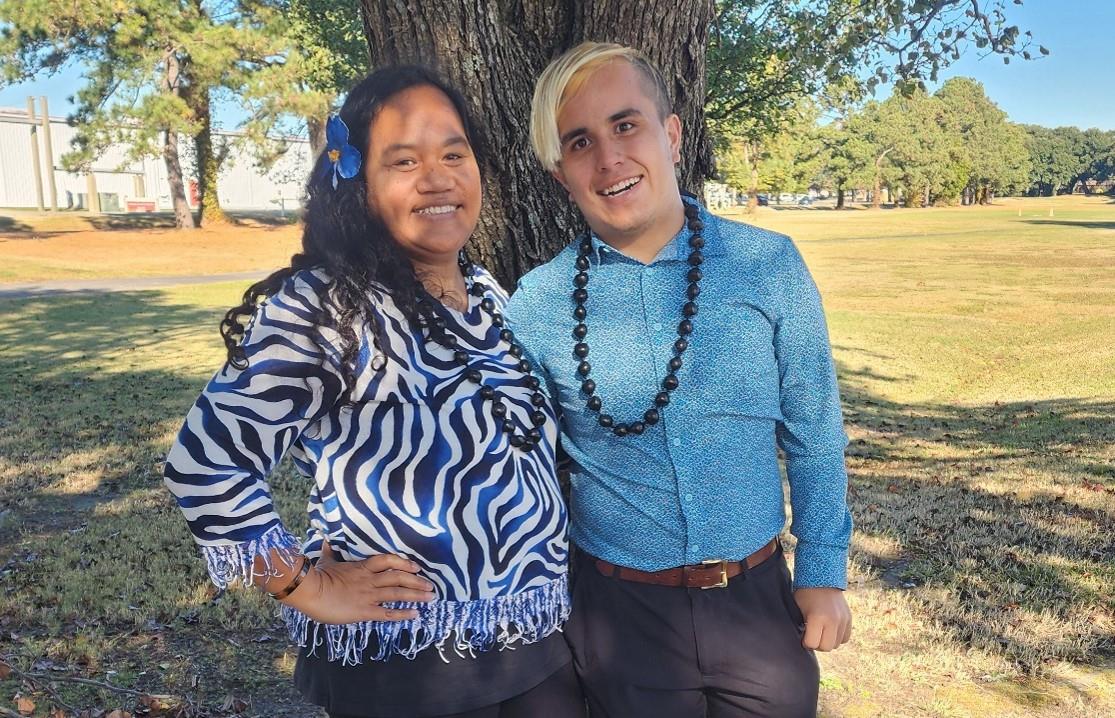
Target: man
684	349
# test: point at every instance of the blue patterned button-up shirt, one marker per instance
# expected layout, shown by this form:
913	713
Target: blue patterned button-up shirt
704	482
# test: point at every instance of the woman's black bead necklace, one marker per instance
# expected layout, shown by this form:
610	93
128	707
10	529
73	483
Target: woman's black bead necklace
685	328
435	332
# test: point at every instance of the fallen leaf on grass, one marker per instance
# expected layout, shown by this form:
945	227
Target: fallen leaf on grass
234	704
5	670
25	706
119	714
154	705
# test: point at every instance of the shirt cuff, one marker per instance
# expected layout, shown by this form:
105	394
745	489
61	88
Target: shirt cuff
820	566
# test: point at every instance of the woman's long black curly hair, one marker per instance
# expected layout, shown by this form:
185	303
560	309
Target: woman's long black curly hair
341	235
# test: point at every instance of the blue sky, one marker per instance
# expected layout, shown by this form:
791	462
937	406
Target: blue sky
1072	86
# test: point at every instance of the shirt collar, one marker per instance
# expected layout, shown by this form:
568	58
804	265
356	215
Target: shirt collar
678	247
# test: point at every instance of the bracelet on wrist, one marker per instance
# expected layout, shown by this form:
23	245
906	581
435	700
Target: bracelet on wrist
294	582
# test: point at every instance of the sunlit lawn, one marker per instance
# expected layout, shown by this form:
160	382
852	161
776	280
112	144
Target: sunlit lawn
69	246
978	368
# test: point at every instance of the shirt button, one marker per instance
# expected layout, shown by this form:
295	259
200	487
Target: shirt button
677	442
689	497
696	547
657	326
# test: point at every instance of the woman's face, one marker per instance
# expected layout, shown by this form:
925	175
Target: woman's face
423	180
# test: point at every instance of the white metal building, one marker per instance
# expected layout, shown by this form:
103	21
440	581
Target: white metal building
137	186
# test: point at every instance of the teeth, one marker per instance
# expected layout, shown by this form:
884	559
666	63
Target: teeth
620	186
443	209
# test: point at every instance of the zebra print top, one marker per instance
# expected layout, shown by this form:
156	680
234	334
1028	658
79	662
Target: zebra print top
416	465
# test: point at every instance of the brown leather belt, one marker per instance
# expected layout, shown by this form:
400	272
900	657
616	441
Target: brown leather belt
707	574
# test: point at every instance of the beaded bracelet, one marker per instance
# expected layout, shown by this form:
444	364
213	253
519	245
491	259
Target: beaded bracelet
294	582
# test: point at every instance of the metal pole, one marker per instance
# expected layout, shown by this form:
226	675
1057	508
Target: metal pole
35	166
48	145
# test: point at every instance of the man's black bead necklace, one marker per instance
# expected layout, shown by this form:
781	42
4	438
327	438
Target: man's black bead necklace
685	328
435	332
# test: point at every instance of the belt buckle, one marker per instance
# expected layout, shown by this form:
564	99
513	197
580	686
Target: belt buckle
723	572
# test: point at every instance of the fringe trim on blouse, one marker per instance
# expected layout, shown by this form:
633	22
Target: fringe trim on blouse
471	626
236	562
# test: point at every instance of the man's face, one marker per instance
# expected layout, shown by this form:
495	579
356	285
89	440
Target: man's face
617	156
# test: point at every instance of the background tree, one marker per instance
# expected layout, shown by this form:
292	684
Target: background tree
765	54
992	149
1066	158
1095	150
1054	158
294	93
151	68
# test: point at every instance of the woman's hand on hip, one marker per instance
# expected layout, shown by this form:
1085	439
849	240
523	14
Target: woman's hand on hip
350	591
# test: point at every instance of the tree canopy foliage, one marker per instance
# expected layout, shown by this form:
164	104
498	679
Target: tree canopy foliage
953	146
153	70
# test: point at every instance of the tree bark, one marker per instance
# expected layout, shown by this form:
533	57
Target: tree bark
752	162
208	162
840	197
172	83
877	186
494	52
183	217
315	126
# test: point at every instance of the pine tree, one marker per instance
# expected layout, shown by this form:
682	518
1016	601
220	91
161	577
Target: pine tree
151	68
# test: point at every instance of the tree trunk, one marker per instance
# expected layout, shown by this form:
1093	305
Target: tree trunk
183	217
840	197
494	51
172	84
316	128
752	163
208	163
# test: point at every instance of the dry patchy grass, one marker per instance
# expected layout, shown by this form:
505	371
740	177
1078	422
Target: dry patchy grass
977	369
74	246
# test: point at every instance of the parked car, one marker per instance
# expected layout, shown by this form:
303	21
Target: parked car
805	201
764	201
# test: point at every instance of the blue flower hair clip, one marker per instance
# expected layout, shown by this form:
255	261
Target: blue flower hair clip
344	158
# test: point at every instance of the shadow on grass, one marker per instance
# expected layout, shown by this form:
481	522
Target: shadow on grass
97	570
165	220
1002	514
47	225
10	224
1109	226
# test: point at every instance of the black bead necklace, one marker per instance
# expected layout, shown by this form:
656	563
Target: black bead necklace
435	332
685	328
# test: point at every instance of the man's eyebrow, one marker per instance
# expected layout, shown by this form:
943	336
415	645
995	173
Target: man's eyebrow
628	112
624	113
572	133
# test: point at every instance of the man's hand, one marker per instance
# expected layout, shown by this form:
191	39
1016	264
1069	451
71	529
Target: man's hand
828	620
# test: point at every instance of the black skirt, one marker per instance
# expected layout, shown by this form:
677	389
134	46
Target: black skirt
431	684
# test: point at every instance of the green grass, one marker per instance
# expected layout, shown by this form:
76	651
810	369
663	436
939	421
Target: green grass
978	370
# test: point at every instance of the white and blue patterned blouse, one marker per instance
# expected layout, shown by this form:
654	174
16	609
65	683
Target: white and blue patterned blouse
417	465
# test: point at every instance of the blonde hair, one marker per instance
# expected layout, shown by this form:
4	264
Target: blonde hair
563	77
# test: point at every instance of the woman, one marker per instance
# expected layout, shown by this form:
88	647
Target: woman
379	360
